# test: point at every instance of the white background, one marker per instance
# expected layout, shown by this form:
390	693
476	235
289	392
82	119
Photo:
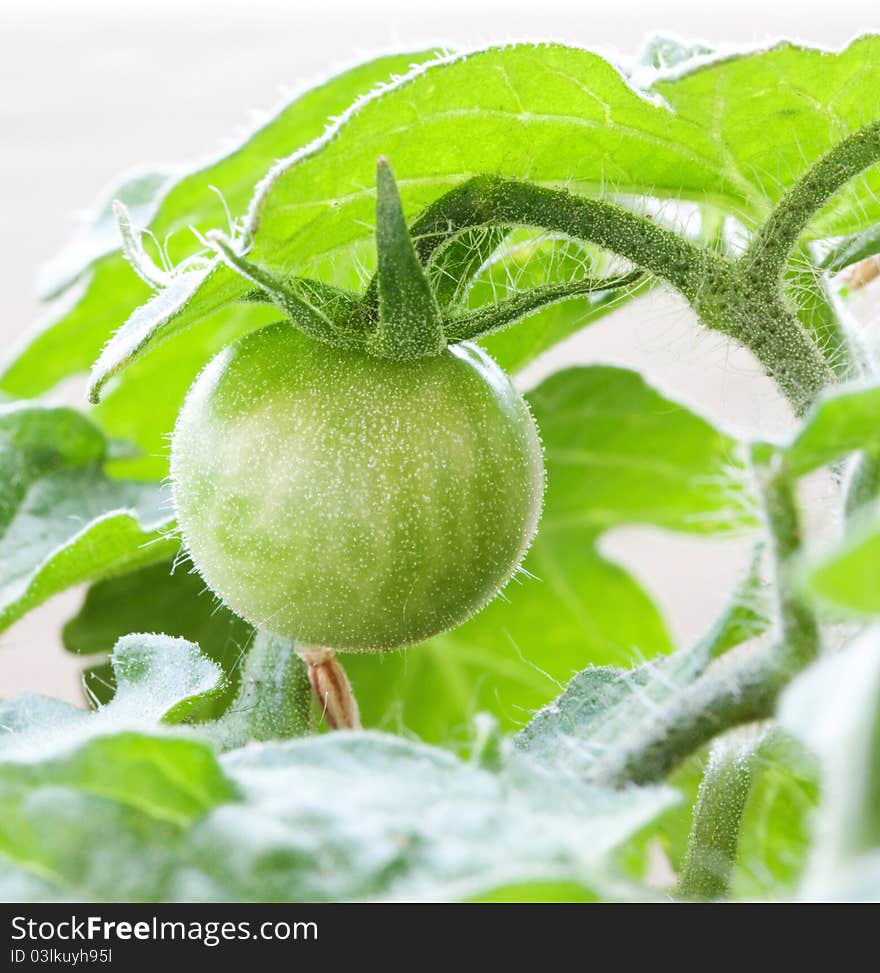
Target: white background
90	88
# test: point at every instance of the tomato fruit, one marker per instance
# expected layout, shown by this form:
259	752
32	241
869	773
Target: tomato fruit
350	501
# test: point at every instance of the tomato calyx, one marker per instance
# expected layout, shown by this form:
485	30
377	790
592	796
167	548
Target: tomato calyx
405	314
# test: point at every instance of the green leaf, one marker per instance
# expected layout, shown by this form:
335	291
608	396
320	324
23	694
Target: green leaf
834	708
775	111
508	110
62	520
848	577
190	298
620	452
540	891
71	337
338	817
417	822
617	452
842	421
171	780
158	598
157	679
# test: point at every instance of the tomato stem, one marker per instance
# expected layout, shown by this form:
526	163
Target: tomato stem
774	242
721	803
331	688
736	690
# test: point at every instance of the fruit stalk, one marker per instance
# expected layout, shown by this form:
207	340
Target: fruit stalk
331	688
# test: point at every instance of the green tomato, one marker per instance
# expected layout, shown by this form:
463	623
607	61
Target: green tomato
349	501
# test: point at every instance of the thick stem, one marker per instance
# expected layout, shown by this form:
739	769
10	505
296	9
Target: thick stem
731	693
331	688
721	802
491	200
725	298
767	326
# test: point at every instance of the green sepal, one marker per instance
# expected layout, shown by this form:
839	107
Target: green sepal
317	309
487	320
133	249
410	324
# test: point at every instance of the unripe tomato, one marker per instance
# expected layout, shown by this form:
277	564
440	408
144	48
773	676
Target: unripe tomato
349	501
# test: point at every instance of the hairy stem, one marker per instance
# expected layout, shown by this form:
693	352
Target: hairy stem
798	628
721	801
742	688
728	694
769	328
724	296
493	201
772	246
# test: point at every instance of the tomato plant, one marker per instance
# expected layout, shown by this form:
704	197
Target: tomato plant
305	434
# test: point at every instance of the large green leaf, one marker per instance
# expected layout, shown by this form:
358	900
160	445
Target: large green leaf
508	110
62	521
101	806
771	113
69	339
337	817
617	452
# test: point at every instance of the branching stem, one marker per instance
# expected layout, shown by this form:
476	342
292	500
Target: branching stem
742	688
726	295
